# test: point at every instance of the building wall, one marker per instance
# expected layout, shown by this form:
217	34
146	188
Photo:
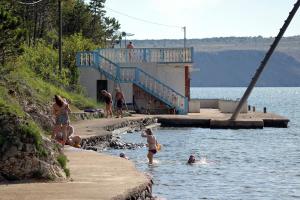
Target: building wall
225	106
88	79
148	104
172	75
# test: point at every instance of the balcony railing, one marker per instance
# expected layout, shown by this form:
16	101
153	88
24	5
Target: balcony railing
148	55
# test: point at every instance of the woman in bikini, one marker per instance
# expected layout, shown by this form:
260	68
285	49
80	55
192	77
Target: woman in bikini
152	144
108	103
61	112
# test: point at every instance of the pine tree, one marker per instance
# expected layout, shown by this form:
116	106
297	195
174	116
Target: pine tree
11	35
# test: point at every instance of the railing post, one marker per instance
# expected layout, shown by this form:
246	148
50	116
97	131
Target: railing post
161	57
192	54
144	55
117	73
136	75
97	59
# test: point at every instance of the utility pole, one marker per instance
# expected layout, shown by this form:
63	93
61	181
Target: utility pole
264	61
59	36
184	37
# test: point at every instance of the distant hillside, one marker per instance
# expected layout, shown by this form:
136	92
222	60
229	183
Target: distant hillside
232	61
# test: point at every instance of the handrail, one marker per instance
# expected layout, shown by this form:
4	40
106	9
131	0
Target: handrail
148	55
139	69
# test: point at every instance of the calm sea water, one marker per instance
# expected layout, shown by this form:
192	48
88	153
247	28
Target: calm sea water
234	164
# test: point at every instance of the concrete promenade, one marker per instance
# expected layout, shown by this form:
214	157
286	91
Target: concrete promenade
213	118
93	175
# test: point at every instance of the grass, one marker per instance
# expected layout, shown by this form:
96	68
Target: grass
62	160
44	92
9	104
20	84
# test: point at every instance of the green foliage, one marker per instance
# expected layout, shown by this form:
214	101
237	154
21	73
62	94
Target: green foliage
43	60
71	46
62	160
67	172
32	130
11	35
9	104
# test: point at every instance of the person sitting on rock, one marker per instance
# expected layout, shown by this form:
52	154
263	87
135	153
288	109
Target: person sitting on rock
72	139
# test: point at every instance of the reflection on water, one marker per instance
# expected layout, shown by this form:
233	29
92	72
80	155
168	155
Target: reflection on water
232	164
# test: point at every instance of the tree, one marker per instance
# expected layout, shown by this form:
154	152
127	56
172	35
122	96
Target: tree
11	35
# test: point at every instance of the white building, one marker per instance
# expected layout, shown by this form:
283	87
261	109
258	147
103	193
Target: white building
152	79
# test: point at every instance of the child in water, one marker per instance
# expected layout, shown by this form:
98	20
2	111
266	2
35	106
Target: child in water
152	144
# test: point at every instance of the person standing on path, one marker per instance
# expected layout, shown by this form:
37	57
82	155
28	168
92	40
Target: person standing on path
61	110
108	103
120	100
152	144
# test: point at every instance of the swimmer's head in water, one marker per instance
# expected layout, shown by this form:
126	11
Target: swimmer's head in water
148	131
191	159
122	155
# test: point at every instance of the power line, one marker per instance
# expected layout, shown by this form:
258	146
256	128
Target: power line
143	20
29	3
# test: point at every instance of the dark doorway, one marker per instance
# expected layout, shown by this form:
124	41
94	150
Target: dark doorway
101	85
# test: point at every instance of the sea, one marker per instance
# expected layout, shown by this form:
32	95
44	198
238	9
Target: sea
245	164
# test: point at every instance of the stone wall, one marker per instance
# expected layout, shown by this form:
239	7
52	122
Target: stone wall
24	156
143	192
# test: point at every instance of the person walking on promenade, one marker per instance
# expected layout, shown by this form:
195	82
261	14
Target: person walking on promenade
152	144
60	110
120	100
108	103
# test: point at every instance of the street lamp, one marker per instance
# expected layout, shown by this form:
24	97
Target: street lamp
59	36
124	34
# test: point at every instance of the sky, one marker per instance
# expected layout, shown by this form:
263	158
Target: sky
202	18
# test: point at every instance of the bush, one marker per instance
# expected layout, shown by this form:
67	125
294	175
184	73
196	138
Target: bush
43	60
72	45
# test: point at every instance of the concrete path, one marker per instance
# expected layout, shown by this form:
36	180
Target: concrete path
95	127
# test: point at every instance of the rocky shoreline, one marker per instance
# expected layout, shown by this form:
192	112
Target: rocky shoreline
111	139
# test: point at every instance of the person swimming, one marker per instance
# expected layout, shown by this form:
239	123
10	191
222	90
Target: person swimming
191	159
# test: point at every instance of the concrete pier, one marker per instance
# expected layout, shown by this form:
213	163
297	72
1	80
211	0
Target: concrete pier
213	118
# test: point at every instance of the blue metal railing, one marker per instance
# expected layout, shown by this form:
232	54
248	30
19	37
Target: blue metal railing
133	75
148	55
